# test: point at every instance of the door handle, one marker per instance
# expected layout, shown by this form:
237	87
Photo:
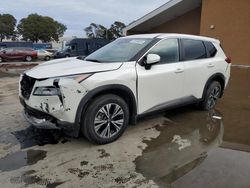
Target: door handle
210	65
179	70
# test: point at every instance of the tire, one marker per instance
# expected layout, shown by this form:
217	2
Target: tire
28	58
212	95
99	128
47	58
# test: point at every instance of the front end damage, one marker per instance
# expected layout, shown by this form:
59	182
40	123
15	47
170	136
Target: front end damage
56	107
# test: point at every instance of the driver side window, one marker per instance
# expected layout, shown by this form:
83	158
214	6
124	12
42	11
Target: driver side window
168	50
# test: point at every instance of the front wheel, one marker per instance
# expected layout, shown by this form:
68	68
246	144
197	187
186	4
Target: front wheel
105	119
212	95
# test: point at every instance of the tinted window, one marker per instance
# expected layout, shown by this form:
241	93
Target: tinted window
193	49
211	49
168	50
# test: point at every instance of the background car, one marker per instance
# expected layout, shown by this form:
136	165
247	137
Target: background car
26	54
44	55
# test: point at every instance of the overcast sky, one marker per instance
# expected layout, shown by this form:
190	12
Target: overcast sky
78	14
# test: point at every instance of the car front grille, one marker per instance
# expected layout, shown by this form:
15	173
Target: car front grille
27	84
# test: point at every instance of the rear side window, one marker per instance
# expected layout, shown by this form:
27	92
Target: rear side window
193	49
168	50
212	51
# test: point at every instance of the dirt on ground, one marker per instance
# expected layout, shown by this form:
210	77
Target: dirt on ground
183	147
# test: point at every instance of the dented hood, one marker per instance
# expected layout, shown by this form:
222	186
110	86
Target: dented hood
69	66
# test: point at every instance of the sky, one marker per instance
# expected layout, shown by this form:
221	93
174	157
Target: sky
78	14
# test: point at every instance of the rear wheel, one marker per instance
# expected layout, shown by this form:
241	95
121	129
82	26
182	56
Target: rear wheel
28	58
212	95
105	119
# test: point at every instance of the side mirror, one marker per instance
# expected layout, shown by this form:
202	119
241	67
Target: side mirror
151	59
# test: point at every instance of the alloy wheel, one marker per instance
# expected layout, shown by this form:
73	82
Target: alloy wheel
213	97
109	120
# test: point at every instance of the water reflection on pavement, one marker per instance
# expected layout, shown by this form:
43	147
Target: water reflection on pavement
211	147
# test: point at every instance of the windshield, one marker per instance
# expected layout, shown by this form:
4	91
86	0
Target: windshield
121	50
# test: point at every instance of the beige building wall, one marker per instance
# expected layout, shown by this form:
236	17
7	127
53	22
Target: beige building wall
189	23
229	21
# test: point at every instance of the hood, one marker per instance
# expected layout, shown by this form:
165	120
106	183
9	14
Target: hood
69	66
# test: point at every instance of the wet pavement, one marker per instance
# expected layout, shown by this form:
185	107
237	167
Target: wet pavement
180	148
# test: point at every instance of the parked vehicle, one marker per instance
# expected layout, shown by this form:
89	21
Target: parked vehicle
44	55
81	47
23	44
27	54
130	77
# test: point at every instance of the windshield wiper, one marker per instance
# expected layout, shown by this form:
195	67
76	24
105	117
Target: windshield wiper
93	60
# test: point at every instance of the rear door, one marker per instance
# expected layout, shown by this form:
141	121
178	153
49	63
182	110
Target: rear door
161	85
197	67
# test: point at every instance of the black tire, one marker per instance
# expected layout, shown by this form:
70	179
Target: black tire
94	116
28	58
212	94
47	58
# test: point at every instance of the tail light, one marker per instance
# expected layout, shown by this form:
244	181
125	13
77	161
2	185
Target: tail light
228	60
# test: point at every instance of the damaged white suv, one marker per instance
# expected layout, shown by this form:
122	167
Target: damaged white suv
132	76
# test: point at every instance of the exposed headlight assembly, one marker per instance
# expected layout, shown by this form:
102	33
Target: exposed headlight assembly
55	90
47	91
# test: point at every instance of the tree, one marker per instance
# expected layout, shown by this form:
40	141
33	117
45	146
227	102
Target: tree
96	31
116	29
7	26
36	27
99	31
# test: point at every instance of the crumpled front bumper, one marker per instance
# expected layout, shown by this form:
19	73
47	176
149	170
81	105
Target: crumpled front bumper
39	123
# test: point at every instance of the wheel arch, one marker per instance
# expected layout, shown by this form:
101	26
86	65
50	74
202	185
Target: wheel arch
120	90
219	77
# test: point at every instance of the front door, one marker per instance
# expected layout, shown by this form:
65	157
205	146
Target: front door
162	85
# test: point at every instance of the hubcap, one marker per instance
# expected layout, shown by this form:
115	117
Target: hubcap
109	120
213	97
28	58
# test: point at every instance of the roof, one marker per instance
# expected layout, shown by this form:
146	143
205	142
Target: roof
172	35
166	12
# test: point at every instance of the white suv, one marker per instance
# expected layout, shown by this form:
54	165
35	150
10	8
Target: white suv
132	76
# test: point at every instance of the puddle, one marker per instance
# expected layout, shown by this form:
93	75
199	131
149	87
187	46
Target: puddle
32	136
20	159
182	145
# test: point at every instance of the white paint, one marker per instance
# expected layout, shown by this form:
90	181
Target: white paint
183	143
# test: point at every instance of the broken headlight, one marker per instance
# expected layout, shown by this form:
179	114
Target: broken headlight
46	91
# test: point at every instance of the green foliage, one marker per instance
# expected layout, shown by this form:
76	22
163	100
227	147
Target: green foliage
36	27
7	26
99	31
